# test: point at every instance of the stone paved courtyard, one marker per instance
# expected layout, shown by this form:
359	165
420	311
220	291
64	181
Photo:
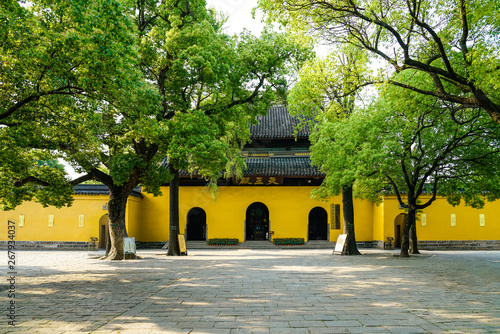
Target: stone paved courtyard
256	291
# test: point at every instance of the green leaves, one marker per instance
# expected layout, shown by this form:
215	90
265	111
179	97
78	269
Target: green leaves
195	143
406	144
21	168
212	86
426	151
346	155
454	43
61	49
328	87
326	92
124	85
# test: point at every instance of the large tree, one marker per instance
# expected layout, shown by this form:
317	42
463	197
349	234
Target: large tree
454	42
327	91
416	149
188	99
52	50
56	58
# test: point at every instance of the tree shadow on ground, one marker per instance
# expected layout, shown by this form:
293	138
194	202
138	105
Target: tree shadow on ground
257	289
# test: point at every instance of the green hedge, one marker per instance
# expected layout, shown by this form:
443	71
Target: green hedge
288	241
222	242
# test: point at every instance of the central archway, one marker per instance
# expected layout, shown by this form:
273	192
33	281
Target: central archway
196	225
257	222
318	224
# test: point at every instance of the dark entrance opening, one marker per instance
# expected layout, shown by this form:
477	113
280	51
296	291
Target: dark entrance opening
103	231
196	228
399	225
257	222
318	224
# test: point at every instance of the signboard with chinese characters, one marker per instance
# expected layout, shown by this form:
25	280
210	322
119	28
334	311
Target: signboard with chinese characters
129	245
182	244
335	216
423	219
339	246
260	181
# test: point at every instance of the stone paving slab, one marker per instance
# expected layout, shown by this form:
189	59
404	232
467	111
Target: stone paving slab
256	291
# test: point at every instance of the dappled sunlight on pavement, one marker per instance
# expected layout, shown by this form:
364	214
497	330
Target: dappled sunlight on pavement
257	291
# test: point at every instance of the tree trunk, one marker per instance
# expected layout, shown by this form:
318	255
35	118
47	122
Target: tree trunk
117	206
350	248
413	235
405	244
173	243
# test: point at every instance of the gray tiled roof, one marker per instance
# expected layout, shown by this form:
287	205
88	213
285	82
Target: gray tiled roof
292	166
288	166
100	189
278	123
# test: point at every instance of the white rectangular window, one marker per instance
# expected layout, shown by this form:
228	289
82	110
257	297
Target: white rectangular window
423	219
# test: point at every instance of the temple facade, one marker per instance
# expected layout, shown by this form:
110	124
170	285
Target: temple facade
272	200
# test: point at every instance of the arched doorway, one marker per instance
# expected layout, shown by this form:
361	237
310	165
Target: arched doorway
318	224
103	231
257	222
399	225
196	228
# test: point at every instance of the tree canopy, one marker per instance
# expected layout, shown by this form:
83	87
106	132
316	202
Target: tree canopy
52	50
327	91
58	60
453	42
408	146
178	94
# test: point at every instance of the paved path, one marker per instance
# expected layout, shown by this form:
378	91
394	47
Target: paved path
256	291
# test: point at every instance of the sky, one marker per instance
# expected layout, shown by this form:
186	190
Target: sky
239	13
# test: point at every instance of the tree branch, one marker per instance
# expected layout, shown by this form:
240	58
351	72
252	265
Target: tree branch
30	179
398	194
66	90
433	198
96	175
465	32
437	40
444	96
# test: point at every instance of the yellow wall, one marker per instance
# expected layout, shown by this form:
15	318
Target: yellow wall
390	211
438	226
363	220
438	221
152	218
148	218
288	207
379	232
133	217
66	220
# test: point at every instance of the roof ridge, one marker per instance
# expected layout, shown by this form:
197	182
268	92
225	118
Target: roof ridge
278	123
